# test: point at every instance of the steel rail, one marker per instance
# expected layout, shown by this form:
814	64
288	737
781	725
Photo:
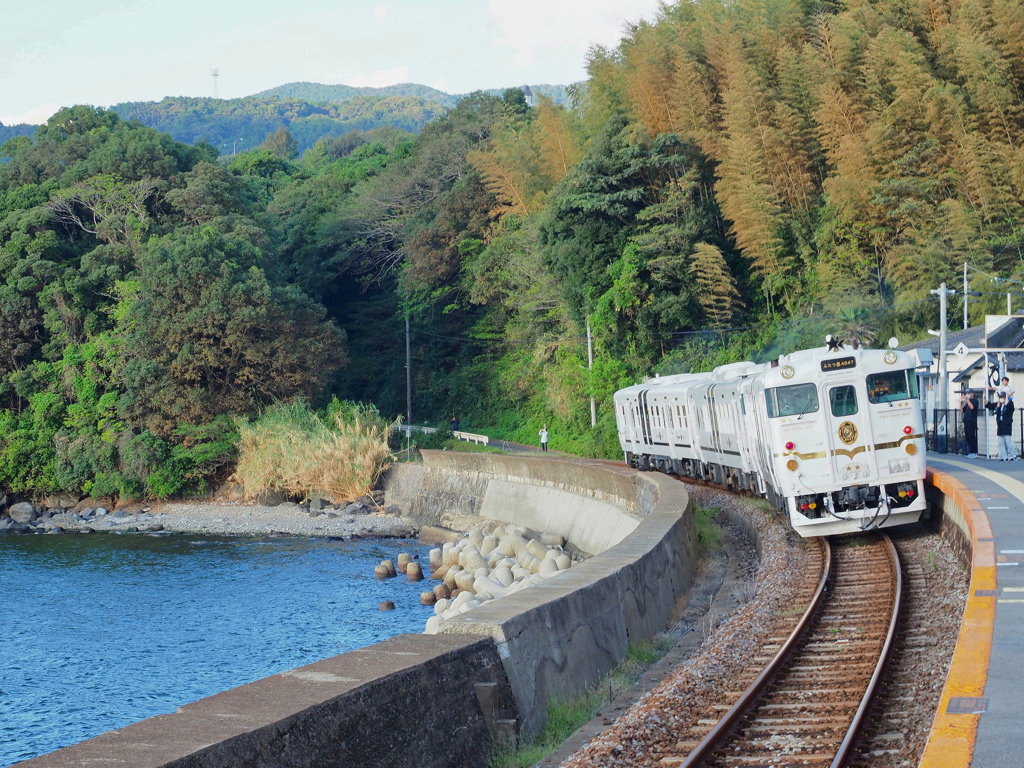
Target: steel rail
711	742
883	658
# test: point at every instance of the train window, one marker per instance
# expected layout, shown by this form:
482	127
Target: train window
843	400
891	386
794	400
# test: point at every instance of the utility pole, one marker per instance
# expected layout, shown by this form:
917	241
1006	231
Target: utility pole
590	367
408	392
966	289
940	421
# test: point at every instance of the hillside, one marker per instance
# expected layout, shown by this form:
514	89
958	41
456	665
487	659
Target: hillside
318	92
732	182
337	94
237	124
8	132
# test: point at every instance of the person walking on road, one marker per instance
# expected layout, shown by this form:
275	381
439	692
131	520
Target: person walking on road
544	438
1003	409
969	415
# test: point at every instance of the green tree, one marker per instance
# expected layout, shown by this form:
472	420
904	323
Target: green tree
207	333
281	143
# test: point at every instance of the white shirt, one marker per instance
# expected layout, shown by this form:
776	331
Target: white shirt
543	435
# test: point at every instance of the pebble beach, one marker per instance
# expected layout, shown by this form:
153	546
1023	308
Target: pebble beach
234	519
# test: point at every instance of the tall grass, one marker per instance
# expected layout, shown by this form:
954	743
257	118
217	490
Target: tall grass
291	448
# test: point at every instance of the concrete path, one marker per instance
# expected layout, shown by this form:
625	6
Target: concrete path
999	487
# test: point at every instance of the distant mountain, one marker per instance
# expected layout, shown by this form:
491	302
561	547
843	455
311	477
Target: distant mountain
237	124
8	132
341	93
308	110
337	94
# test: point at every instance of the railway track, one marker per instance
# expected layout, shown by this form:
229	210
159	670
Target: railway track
806	706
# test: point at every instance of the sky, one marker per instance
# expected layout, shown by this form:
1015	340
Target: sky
103	52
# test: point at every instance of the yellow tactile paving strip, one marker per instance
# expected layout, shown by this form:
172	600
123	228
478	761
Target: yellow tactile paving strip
951	743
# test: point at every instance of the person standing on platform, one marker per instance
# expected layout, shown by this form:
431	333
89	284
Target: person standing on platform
969	416
1003	409
544	438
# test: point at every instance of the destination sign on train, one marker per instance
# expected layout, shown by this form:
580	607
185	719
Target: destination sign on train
838	363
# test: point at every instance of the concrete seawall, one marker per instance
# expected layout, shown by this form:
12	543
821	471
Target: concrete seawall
438	700
558	638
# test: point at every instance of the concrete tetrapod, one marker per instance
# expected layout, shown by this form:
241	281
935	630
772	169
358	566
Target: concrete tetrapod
479	568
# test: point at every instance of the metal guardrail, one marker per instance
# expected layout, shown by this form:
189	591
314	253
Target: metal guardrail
467	436
953	441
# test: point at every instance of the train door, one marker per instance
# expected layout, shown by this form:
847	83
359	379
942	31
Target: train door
849	431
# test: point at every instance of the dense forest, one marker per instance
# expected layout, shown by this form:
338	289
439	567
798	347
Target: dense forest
309	111
732	180
232	125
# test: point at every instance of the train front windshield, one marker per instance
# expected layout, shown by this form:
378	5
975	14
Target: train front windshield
794	400
892	386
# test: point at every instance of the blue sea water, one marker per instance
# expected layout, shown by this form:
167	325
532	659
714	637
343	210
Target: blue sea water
99	631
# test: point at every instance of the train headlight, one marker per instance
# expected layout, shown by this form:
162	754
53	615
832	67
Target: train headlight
792	465
907	430
910	448
790	446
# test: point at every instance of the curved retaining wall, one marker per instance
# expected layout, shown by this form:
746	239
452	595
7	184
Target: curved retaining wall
439	700
561	636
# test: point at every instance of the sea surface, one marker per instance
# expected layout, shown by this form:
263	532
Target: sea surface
99	631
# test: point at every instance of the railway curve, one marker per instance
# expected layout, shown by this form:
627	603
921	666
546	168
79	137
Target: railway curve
807	705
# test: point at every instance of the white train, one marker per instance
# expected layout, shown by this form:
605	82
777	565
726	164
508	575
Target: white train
831	436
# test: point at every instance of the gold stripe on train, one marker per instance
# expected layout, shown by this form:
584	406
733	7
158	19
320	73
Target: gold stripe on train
897	443
850	452
804	456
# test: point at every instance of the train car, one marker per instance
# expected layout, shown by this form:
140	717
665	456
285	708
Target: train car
833	436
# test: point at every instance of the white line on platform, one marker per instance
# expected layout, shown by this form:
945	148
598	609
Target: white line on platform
996	507
1002	564
1012	552
1010	601
1013	589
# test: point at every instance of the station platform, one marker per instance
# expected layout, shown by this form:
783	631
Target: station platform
986	680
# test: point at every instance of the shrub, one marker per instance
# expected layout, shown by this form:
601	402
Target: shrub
432	440
291	448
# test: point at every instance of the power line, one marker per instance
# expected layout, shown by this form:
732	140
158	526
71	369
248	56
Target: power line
996	278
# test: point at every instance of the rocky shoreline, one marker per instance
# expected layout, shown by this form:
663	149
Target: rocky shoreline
364	518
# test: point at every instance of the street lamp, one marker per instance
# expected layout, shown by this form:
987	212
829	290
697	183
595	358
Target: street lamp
234	143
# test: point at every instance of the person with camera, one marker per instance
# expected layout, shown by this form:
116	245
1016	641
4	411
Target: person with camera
1003	410
969	417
